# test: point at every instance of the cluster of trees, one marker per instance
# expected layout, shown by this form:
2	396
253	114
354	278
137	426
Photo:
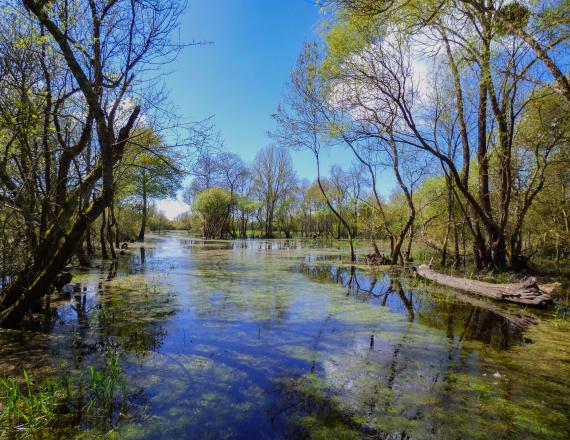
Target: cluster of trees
232	199
468	97
80	131
464	103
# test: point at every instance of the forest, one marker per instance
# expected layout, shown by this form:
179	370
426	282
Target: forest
450	119
478	152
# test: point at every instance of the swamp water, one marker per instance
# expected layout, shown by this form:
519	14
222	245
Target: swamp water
276	339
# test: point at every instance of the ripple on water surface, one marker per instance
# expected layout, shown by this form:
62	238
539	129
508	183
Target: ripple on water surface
279	339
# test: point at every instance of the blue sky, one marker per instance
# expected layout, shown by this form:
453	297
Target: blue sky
240	77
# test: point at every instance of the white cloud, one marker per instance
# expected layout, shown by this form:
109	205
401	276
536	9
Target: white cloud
172	208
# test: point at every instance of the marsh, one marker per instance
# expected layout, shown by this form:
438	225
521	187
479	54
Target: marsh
280	339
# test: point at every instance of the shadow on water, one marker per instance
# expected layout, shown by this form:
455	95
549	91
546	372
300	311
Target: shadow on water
459	320
277	339
88	339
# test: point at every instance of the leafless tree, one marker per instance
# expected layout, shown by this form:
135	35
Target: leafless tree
94	58
303	121
274	177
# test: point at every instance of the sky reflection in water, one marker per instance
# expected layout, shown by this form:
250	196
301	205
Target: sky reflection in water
273	339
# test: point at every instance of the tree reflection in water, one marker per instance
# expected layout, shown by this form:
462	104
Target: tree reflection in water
236	339
460	320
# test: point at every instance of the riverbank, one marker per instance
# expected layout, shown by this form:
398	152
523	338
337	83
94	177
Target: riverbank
281	339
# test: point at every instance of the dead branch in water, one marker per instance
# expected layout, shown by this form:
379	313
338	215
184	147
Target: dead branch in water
528	292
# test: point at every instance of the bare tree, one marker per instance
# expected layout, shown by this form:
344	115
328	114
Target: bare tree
302	123
274	177
104	50
490	67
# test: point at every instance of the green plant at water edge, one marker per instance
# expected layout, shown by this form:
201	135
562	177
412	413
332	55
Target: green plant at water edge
108	389
560	317
30	410
25	405
422	256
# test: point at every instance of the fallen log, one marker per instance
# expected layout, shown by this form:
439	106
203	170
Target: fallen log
528	292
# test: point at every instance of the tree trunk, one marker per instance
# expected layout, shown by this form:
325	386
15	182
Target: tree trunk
457	255
269	221
449	220
528	292
516	259
110	237
89	241
28	287
144	215
399	241
397	248
375	247
490	251
82	255
410	241
102	239
335	212
116	223
444	247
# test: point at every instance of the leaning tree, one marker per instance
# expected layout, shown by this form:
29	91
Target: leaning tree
427	67
73	77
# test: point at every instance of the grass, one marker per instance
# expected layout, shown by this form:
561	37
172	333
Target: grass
37	410
27	406
108	388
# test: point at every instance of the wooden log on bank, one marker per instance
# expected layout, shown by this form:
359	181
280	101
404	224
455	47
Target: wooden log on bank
527	292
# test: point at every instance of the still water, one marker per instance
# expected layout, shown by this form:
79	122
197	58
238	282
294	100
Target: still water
278	339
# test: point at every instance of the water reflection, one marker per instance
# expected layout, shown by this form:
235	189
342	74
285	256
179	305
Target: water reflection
459	320
236	339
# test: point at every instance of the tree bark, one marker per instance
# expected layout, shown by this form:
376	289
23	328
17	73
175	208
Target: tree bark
116	223
527	292
110	237
144	214
89	241
102	239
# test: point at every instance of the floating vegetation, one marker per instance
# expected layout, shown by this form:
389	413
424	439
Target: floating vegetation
261	341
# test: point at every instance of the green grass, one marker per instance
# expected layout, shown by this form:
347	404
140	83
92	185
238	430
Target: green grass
27	406
50	408
108	388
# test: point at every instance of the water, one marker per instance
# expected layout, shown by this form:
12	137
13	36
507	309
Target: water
279	339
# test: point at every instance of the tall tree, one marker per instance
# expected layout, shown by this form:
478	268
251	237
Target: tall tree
274	177
375	57
99	51
213	205
302	121
153	171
